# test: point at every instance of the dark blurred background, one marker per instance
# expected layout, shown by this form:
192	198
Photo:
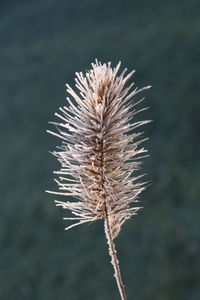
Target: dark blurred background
42	44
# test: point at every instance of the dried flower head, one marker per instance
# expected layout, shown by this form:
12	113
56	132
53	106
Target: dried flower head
100	151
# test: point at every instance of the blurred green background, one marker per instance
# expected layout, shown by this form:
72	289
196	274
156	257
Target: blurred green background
42	44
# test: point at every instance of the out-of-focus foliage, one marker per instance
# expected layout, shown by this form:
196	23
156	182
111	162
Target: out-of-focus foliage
42	44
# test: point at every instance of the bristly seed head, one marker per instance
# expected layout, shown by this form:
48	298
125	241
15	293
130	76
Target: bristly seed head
99	153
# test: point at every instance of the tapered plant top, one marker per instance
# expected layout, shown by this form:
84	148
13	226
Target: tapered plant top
100	151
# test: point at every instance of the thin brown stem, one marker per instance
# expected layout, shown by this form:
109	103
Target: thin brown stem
114	260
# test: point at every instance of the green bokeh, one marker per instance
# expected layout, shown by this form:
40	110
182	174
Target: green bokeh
42	44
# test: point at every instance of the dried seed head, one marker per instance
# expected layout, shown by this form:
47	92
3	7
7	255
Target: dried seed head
100	152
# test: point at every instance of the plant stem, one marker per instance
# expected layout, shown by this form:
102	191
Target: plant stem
114	260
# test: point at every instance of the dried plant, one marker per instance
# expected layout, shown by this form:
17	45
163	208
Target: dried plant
100	153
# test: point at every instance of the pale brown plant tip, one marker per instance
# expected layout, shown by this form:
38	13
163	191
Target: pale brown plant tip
97	145
100	151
